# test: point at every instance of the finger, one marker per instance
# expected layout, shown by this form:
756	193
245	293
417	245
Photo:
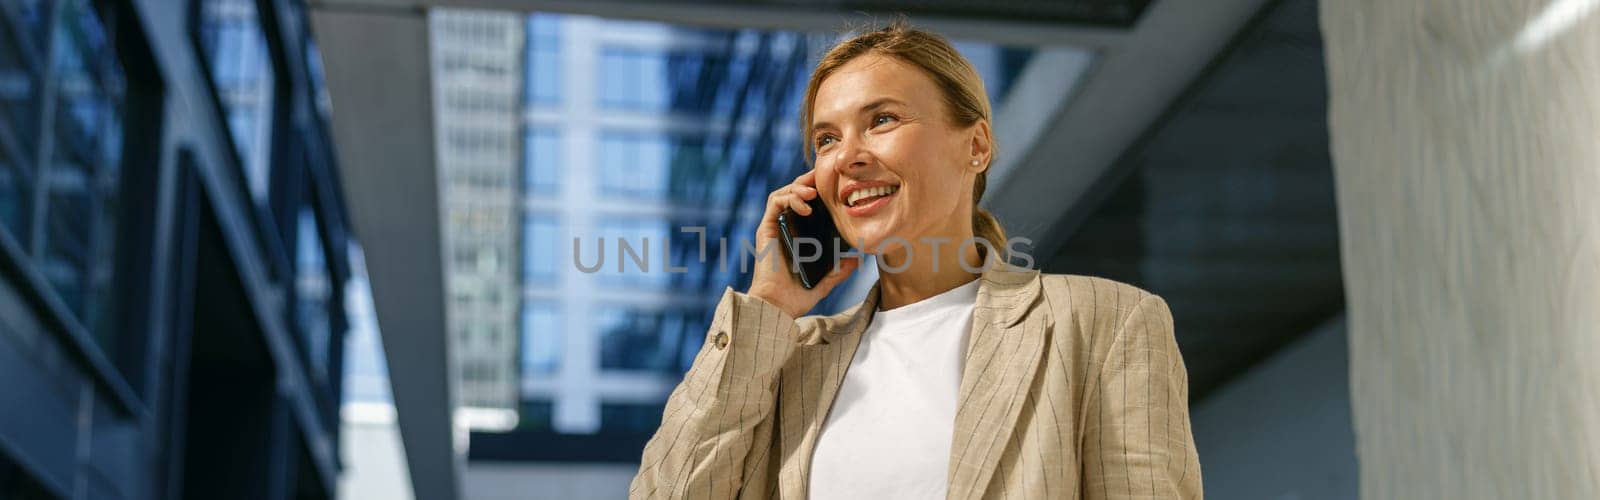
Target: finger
798	205
807	179
804	192
769	219
778	201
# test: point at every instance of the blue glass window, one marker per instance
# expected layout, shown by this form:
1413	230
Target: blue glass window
241	68
643	237
542	339
313	290
634	80
543	248
543	82
634	165
366	375
541	161
641	418
34	16
22	61
20	66
634	338
13	184
318	76
536	415
82	174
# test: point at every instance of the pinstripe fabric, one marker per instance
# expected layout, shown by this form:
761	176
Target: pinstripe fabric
1073	388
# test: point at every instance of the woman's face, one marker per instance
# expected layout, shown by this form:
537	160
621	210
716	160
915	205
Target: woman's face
889	163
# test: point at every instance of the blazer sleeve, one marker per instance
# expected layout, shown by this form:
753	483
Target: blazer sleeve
721	413
1138	443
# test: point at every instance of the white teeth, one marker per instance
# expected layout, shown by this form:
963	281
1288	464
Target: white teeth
861	194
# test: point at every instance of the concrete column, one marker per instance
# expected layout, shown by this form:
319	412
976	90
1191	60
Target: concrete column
1466	146
377	71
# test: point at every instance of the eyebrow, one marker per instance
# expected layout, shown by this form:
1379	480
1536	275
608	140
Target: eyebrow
875	105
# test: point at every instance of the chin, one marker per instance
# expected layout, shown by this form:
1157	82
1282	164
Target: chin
870	243
874	234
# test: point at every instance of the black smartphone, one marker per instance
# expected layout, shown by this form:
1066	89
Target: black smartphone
803	235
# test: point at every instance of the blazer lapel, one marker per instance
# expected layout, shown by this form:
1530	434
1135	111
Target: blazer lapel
1003	354
813	380
1002	359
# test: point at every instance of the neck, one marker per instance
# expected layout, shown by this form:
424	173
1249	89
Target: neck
909	276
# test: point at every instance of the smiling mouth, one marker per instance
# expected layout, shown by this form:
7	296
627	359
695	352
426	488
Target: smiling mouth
864	196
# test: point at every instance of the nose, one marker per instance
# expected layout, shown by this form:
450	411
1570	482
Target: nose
852	154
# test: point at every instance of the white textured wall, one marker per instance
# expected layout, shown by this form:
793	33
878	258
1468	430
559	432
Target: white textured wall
1466	145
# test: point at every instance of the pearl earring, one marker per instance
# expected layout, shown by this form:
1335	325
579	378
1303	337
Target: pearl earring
974	163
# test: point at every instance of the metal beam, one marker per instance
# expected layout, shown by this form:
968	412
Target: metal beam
771	17
1125	94
378	74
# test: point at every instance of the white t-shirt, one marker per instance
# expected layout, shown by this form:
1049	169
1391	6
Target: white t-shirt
888	434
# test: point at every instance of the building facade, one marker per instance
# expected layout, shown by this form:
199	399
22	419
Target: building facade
173	252
477	61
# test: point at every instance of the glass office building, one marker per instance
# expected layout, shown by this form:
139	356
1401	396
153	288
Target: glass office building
477	57
640	135
174	252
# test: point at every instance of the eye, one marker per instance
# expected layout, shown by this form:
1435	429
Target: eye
883	118
824	140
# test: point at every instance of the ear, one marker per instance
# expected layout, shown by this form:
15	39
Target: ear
982	146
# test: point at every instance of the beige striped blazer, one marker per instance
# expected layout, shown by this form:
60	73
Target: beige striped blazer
1072	388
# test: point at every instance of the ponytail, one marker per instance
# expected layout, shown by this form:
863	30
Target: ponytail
985	226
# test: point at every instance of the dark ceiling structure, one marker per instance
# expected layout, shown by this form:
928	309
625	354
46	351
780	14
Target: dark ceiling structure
1225	207
1118	13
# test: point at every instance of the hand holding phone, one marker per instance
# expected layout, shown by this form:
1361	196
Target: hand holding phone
802	210
811	241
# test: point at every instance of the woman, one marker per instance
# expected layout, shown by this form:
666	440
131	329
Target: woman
958	376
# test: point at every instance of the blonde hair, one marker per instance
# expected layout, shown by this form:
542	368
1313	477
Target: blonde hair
965	99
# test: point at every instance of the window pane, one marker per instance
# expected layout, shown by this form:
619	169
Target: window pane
22	59
34	15
234	46
541	161
19	115
631	80
313	290
542	249
536	415
634	165
641	339
631	417
634	255
317	77
543	82
13	192
366	374
83	171
541	339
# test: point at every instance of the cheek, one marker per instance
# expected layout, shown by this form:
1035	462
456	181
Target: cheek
826	182
925	165
936	184
919	152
